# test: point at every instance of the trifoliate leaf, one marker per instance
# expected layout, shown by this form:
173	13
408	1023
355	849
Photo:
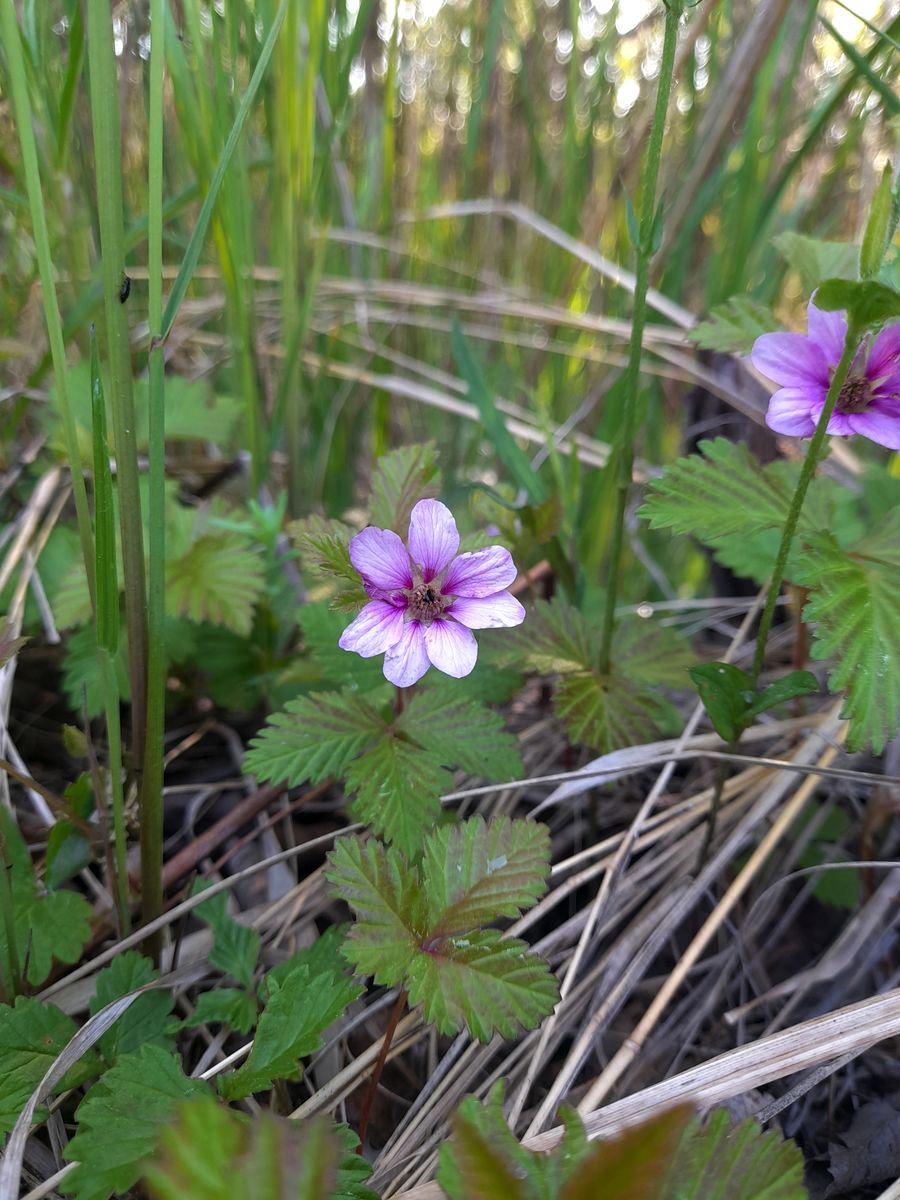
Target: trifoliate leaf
734	326
119	1122
386	896
210	1152
32	1036
467	735
476	872
218	579
400	479
145	1022
297	1011
854	604
481	980
316	736
223	1006
738	1162
815	260
397	785
235	946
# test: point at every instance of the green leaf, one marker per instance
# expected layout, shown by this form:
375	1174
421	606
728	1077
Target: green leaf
210	1152
462	734
734	326
386	896
481	980
235	946
323	956
878	231
193	413
815	260
734	1162
631	1163
398	785
32	1036
400	479
868	302
298	1010
223	1006
788	687
219	579
854	605
316	736
727	694
476	872
322	627
119	1122
81	674
324	547
145	1022
51	926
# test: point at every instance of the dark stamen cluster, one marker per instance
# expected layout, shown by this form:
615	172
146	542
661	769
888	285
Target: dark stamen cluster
855	396
426	603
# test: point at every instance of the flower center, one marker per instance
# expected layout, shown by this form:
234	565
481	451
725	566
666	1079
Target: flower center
855	395
426	603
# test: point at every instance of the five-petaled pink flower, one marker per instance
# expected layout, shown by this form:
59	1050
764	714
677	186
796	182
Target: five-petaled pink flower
426	599
869	402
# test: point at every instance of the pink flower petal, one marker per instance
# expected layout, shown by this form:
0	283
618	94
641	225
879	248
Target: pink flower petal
377	628
487	612
884	357
408	660
451	648
480	573
878	426
792	359
380	557
794	412
433	537
827	330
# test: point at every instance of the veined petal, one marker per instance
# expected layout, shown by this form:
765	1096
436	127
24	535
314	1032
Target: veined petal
407	661
794	411
380	557
451	648
377	628
433	537
792	359
884	357
487	612
879	424
840	425
480	573
827	330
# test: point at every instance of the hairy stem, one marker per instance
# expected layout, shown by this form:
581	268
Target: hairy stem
625	456
851	343
369	1098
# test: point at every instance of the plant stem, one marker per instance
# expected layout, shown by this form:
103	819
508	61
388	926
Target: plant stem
369	1098
11	987
106	127
151	805
851	342
114	737
625	456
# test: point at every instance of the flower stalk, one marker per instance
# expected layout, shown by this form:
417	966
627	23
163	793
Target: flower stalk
645	249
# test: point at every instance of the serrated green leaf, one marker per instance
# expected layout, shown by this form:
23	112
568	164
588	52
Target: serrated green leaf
398	786
298	1009
81	674
484	981
316	736
607	712
854	605
219	579
324	547
223	1006
631	1163
322	627
463	734
119	1122
722	1161
483	1171
235	946
475	872
733	327
145	1022
386	896
32	1035
815	260
400	479
51	926
324	956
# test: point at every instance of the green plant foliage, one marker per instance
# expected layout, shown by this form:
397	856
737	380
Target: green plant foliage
400	479
210	1152
218	579
32	1036
322	627
880	226
603	710
68	849
732	701
48	925
397	766
815	260
324	547
119	1122
299	1007
223	1006
81	674
235	946
145	1022
868	303
734	326
722	1161
418	927
854	606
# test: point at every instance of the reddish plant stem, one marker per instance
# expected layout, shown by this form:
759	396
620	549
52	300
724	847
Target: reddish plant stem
369	1098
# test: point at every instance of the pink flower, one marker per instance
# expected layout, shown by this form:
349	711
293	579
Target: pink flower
426	599
803	364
